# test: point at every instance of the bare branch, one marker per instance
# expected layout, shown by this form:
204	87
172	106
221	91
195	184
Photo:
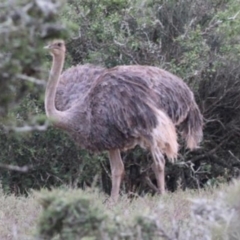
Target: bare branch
27	128
31	79
236	158
189	27
23	169
234	17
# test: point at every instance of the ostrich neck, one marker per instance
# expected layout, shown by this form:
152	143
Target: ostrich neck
58	117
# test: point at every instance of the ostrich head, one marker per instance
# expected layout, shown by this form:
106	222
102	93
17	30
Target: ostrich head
56	47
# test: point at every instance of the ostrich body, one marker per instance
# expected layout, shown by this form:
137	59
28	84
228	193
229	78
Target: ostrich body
116	109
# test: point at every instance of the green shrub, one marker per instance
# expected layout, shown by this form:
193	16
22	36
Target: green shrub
197	40
24	26
74	214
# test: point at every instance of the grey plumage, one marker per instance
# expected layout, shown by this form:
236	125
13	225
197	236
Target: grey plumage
120	95
74	83
116	109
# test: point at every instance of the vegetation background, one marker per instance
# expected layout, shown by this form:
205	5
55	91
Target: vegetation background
196	39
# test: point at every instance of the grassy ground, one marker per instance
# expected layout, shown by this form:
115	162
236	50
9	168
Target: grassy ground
19	215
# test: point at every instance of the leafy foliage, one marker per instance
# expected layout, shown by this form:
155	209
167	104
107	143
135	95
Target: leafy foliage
24	25
69	215
74	214
46	162
197	40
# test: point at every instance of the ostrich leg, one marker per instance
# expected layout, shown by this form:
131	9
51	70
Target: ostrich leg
158	167
117	169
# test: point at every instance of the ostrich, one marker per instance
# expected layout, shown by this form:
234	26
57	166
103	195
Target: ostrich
118	108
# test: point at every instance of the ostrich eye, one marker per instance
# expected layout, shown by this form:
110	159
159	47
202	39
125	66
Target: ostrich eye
59	44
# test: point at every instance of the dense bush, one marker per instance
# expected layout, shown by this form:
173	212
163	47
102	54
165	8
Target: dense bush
24	26
74	214
197	40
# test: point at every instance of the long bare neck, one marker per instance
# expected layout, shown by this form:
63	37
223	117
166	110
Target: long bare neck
58	117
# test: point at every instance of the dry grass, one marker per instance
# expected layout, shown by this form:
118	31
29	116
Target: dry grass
19	215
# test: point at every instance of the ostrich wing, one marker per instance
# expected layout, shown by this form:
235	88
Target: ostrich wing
74	83
119	111
173	95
